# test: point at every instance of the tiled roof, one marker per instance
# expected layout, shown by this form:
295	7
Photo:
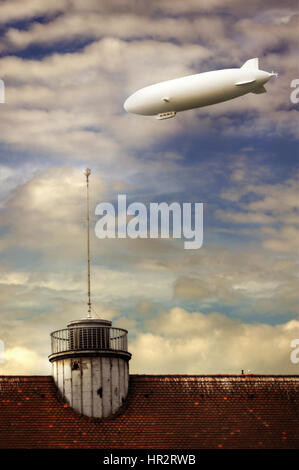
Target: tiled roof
175	411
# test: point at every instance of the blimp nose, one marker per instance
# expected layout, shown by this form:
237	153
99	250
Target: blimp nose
128	105
136	103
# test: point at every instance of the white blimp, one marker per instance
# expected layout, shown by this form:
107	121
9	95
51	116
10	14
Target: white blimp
165	99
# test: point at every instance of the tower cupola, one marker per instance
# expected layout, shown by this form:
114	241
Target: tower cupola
90	366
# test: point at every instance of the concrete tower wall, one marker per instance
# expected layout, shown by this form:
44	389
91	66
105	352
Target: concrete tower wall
93	386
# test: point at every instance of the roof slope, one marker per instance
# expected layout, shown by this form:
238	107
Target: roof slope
161	411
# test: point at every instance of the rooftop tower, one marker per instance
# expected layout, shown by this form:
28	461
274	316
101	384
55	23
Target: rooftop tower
90	358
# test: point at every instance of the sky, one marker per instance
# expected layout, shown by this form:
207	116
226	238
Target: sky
68	67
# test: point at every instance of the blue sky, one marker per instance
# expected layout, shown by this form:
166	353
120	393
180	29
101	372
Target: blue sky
67	68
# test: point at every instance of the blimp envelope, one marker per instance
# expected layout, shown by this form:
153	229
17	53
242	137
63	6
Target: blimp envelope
165	99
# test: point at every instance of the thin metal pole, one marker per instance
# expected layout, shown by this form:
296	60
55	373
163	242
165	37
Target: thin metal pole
87	173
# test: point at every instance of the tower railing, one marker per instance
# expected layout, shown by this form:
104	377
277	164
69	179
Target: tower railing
96	338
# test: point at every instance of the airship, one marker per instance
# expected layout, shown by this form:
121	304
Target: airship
165	99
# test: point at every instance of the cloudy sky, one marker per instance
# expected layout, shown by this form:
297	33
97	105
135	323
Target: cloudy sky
68	66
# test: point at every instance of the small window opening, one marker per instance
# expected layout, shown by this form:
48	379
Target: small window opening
75	365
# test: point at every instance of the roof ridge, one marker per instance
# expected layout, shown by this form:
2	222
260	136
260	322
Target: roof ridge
218	375
26	377
47	377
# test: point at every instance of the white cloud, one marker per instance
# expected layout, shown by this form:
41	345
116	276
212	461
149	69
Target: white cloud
285	240
71	105
275	208
13	10
175	341
23	361
194	343
96	25
249	278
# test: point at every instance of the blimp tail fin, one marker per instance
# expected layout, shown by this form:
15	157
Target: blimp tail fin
251	64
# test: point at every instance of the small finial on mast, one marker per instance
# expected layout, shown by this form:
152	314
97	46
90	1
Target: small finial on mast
87	172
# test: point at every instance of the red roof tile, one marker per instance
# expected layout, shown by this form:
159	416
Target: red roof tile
162	411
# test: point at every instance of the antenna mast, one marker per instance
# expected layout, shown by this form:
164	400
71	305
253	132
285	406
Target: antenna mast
87	173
